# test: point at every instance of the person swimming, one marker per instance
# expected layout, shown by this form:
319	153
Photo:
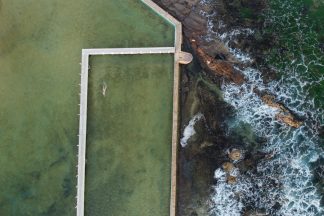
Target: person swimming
104	88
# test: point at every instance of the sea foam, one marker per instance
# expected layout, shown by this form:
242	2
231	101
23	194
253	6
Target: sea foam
189	130
285	180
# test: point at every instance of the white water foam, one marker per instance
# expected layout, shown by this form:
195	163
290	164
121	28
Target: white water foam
189	130
225	197
286	179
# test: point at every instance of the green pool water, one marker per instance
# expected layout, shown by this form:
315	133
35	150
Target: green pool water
40	52
129	135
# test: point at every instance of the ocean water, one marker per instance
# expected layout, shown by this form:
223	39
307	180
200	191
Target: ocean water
291	181
40	54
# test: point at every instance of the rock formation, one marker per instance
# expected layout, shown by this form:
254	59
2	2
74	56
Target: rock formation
214	56
284	114
219	67
228	167
231	180
235	154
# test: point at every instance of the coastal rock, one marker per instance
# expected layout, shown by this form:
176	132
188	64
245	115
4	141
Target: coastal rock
215	58
210	101
235	154
270	101
219	67
218	49
194	22
231	180
188	12
180	10
289	119
228	167
284	114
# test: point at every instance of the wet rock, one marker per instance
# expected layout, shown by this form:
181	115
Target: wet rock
214	56
195	22
219	67
210	102
228	167
284	114
231	180
289	119
181	10
235	154
216	48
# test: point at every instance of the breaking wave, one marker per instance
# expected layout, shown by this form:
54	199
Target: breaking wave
189	130
282	185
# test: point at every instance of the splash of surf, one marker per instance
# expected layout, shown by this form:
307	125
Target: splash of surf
189	130
286	180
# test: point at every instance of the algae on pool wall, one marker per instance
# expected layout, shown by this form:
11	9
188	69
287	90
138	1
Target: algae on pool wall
40	52
128	168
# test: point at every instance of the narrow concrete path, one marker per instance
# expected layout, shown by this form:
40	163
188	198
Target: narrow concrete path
129	51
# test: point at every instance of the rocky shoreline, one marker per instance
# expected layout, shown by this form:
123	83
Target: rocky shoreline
214	56
212	146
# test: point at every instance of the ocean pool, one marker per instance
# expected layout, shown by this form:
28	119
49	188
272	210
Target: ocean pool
40	52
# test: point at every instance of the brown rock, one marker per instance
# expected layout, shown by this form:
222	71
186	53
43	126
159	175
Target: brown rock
191	3
270	101
235	154
216	48
166	2
222	68
228	166
180	10
289	119
231	179
194	22
284	114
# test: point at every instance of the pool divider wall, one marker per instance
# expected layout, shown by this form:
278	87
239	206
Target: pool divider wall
175	114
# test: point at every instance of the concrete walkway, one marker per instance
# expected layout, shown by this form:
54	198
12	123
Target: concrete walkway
179	57
86	53
129	51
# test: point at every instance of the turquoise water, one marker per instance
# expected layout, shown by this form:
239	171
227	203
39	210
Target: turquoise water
40	52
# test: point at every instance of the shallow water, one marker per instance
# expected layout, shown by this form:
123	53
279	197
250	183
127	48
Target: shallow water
40	52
